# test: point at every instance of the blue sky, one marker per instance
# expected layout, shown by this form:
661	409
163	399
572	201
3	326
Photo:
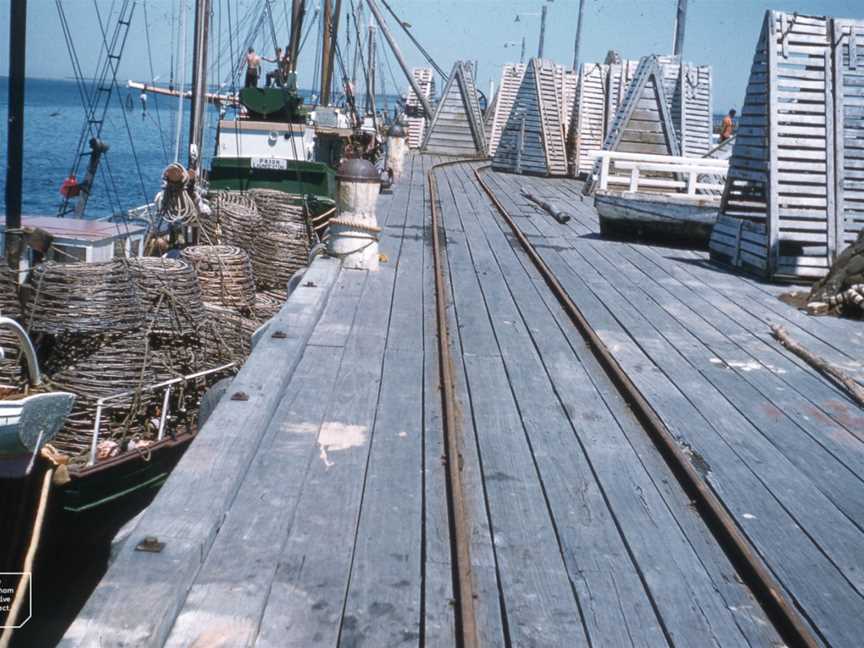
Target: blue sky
719	32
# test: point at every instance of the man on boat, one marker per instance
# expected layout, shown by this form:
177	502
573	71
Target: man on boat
274	77
728	126
253	68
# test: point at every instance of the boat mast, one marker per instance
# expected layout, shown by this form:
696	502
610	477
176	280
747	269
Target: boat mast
370	73
298	10
427	108
680	24
578	35
328	53
325	54
199	82
15	133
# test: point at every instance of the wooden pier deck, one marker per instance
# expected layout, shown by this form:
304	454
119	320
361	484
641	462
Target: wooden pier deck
312	509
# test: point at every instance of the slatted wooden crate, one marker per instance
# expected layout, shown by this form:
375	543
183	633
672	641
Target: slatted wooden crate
457	126
568	80
532	140
617	79
589	117
849	125
643	122
692	109
415	112
781	183
511	79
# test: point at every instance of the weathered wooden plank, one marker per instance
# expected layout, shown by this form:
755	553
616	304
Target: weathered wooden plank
189	510
536	594
507	287
245	553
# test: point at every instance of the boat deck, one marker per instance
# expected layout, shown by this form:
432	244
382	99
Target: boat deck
312	509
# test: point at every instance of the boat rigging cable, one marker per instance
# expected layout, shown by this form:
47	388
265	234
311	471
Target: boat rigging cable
152	78
417	44
90	121
113	63
178	118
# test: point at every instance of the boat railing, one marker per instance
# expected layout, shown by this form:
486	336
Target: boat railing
671	175
106	402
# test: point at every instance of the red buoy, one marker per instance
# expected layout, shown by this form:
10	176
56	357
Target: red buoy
70	187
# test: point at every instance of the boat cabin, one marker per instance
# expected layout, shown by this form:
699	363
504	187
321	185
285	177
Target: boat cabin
75	239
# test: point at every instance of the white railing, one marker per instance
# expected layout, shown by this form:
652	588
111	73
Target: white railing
682	176
104	403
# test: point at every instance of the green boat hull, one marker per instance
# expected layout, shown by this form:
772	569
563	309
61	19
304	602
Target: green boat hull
300	177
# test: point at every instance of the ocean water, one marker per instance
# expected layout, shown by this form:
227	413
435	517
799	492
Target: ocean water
53	123
141	145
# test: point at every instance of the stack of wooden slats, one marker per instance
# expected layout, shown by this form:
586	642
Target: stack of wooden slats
457	126
849	122
415	112
532	141
568	81
793	196
601	92
511	79
643	122
589	117
694	123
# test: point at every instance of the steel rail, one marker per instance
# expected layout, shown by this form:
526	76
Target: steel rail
785	616
466	621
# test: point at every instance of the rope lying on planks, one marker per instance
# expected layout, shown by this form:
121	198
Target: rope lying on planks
835	374
282	243
224	275
83	298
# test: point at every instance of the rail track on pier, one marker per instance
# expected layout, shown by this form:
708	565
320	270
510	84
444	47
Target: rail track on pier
749	566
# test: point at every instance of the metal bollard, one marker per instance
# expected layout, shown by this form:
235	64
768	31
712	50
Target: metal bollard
353	233
397	150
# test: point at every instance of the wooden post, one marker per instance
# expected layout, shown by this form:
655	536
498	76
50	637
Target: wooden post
324	94
578	35
634	178
15	132
199	84
97	148
427	108
370	73
298	10
680	24
604	173
691	182
542	31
